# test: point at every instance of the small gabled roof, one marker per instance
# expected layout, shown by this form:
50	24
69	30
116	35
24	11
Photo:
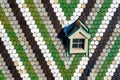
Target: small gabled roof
84	26
83	29
70	28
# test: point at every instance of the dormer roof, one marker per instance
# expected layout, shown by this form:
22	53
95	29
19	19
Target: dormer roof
78	26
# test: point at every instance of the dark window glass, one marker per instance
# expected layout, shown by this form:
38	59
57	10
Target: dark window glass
78	43
75	45
81	46
81	40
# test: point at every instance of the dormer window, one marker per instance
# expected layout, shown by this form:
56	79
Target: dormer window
75	38
78	43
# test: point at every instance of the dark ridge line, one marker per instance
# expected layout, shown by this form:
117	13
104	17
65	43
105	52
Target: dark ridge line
9	62
31	39
101	45
116	75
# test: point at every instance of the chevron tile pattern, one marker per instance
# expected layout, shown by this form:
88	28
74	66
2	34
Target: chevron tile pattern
30	49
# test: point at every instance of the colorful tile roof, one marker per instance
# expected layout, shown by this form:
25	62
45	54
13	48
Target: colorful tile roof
30	49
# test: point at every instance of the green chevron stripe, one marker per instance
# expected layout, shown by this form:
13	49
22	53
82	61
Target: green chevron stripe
113	52
66	73
17	45
2	76
68	8
99	18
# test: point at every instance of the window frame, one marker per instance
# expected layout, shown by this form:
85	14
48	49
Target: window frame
77	42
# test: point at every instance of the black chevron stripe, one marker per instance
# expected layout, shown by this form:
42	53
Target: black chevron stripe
116	75
54	18
31	40
52	15
87	10
101	45
9	61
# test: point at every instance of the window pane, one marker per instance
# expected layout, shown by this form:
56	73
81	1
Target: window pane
81	40
78	43
81	43
75	45
81	46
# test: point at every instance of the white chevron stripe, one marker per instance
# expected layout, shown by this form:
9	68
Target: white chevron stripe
103	55
4	69
53	34
60	13
13	54
102	28
99	34
115	62
40	42
25	44
80	68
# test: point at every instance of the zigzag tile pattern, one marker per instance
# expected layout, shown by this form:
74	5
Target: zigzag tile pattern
29	49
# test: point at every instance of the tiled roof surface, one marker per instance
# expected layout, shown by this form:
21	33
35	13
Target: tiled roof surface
29	49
